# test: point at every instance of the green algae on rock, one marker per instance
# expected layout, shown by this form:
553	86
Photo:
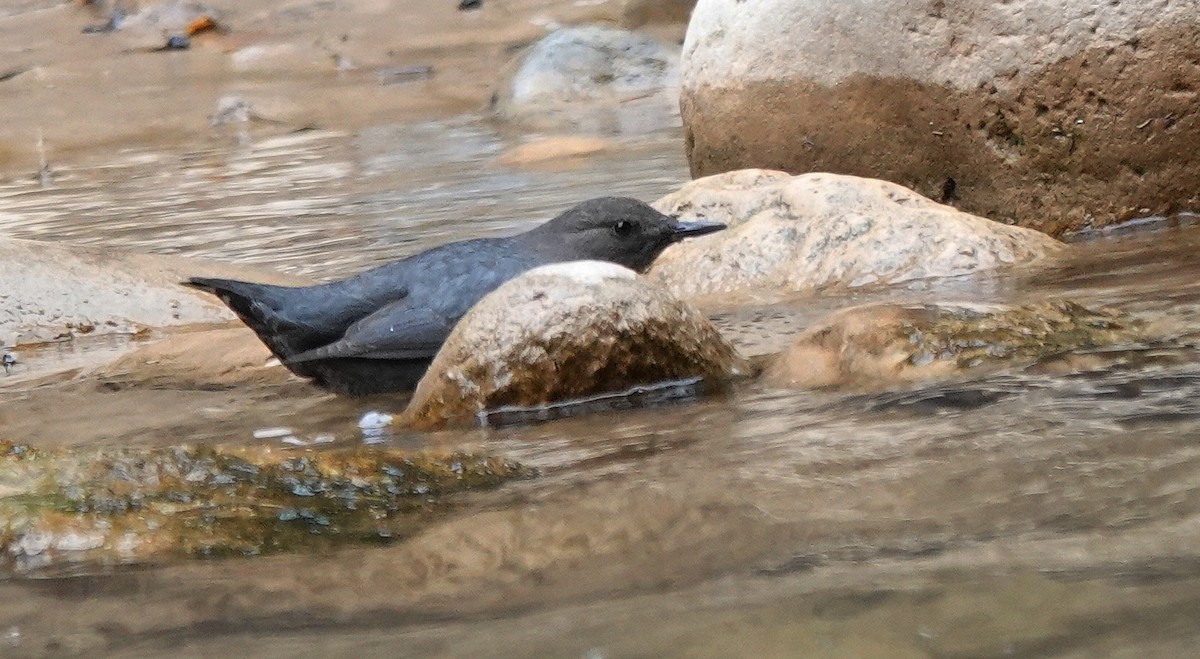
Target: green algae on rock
139	505
875	345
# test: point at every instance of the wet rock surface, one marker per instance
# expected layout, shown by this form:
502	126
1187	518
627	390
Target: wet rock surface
876	346
816	231
1055	120
565	332
596	79
52	290
206	360
139	505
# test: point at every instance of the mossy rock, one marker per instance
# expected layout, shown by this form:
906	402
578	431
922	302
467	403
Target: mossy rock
138	505
877	345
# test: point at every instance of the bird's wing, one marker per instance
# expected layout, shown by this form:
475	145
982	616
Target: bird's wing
397	331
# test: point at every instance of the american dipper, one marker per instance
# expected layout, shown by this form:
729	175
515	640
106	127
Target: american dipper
377	331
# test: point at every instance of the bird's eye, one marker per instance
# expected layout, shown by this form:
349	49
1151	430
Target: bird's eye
623	228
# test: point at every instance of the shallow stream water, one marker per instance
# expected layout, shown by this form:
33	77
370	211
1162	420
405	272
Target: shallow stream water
1054	510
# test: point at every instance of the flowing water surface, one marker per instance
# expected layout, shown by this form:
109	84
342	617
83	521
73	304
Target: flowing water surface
1054	510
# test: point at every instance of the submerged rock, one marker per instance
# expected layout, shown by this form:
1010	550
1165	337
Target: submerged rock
203	360
554	149
138	505
800	233
564	332
881	344
596	79
1054	119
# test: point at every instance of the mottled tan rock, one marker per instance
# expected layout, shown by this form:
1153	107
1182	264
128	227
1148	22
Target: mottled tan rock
594	79
874	346
800	233
563	332
49	290
1053	119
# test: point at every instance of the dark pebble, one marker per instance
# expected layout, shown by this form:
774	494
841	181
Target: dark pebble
177	42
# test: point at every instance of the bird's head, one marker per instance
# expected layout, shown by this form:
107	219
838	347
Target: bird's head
618	230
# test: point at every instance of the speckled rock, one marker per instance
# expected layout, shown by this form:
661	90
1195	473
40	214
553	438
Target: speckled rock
877	345
819	230
563	332
122	506
1053	115
595	79
53	290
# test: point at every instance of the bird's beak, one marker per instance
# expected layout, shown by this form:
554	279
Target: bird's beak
693	229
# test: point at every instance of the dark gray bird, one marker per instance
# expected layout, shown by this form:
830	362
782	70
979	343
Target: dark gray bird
378	330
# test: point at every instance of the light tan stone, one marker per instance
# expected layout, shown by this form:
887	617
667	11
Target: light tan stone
48	290
879	345
564	332
802	233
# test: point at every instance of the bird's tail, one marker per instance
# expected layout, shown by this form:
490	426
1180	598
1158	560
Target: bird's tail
259	306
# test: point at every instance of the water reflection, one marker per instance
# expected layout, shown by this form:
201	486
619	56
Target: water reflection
319	202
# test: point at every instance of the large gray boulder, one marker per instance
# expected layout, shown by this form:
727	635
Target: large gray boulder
800	233
1054	115
563	332
594	79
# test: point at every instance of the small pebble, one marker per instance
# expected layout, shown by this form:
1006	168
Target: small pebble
374	421
32	544
74	541
272	433
230	110
545	22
